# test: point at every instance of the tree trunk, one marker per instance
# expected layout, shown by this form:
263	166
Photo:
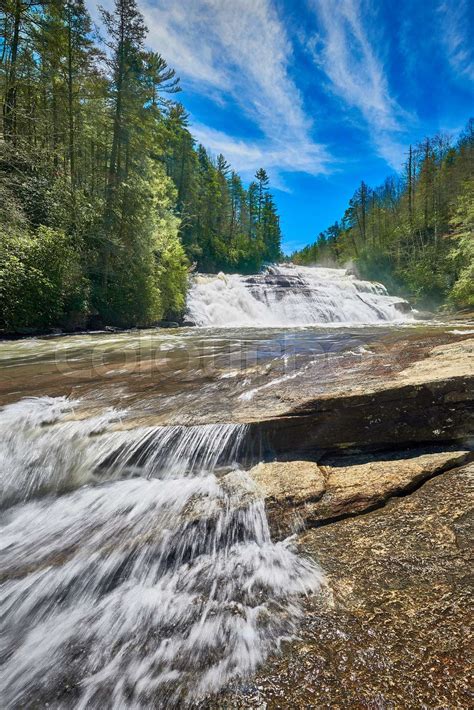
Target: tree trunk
9	104
70	96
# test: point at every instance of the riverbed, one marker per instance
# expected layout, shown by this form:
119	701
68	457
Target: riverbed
139	564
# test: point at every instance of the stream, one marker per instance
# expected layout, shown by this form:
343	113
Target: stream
136	563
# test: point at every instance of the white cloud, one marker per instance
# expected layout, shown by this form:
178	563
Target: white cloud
274	156
238	50
344	52
456	31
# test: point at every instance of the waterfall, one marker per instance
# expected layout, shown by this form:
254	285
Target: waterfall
287	295
137	567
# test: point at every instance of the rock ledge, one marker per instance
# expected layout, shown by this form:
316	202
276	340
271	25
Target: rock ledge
303	493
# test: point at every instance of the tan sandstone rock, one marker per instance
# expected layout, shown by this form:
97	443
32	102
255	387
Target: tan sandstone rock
288	489
292	483
431	401
300	493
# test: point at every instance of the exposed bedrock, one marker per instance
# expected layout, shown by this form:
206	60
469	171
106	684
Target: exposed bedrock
392	629
431	401
299	494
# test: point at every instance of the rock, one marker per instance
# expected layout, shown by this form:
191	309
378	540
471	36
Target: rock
288	489
290	483
356	488
392	629
432	400
300	493
167	324
402	306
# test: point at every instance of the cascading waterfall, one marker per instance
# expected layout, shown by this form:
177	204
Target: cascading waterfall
137	568
291	296
42	452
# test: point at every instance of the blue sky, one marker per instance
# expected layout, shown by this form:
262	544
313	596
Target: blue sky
322	93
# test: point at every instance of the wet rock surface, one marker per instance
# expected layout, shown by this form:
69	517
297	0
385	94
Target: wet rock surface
430	400
302	493
291	483
391	630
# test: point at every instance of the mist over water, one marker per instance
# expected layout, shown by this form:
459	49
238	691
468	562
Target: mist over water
136	563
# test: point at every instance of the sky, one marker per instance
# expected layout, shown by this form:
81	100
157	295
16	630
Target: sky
321	93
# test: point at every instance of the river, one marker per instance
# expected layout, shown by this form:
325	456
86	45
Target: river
137	566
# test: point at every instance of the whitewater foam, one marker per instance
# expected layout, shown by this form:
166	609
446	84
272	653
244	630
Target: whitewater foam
289	296
137	566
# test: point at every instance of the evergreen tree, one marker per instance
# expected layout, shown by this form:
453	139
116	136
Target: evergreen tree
413	233
98	168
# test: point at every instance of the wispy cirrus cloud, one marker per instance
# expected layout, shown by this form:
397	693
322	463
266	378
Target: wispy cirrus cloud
275	156
356	74
239	52
456	32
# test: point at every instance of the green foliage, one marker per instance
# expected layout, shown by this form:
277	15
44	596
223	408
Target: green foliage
414	234
376	265
41	281
224	226
427	278
104	198
462	292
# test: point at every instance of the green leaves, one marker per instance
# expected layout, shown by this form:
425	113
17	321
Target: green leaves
104	199
41	281
462	293
416	233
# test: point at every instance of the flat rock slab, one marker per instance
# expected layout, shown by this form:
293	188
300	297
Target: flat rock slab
290	483
392	629
301	493
430	401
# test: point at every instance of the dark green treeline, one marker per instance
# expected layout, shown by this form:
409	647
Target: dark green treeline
105	201
416	232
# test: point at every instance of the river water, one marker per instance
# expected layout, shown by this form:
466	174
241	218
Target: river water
137	567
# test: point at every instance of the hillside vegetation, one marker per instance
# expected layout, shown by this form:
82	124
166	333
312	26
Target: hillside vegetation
415	232
105	200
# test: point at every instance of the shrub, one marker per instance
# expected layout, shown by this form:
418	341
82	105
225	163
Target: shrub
41	281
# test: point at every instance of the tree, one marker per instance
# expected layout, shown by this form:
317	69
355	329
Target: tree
262	182
462	292
98	157
402	232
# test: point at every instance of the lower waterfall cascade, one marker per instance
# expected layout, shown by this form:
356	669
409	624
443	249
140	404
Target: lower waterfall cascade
287	295
137	567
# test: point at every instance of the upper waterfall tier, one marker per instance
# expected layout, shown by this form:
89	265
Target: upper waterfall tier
288	295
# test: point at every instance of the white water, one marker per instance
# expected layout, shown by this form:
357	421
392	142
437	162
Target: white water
137	568
287	295
136	564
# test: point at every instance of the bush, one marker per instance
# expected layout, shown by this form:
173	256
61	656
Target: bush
462	293
429	276
41	281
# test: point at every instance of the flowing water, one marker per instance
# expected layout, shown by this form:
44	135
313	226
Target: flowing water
288	296
137	567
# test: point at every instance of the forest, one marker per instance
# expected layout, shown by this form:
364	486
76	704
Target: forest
415	233
106	201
